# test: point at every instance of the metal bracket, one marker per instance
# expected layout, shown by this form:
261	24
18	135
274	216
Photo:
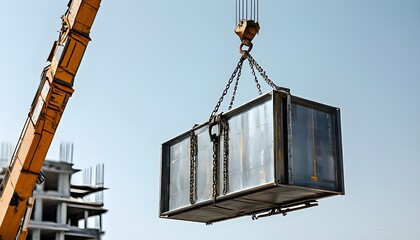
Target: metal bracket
215	120
41	178
285	210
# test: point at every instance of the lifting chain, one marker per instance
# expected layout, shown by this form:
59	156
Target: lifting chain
246	30
225	132
215	138
193	166
215	168
237	73
255	77
263	74
238	68
235	88
223	127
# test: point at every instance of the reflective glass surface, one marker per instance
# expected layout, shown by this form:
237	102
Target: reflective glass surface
313	148
315	160
251	148
179	188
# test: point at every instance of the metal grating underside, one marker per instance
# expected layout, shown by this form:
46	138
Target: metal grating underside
237	206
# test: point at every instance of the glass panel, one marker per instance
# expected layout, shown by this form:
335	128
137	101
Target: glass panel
179	188
314	160
251	148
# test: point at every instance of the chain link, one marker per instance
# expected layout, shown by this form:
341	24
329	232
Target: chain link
255	77
237	72
215	167
225	125
238	66
193	166
262	72
235	88
224	128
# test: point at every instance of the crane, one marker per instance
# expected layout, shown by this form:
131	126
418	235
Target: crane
54	91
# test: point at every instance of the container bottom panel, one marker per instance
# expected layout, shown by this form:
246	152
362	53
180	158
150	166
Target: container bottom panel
248	203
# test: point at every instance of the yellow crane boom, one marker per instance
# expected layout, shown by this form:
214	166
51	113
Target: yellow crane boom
54	91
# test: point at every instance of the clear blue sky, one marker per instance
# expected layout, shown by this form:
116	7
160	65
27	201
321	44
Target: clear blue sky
154	68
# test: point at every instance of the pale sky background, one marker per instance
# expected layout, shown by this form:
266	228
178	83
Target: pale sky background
154	68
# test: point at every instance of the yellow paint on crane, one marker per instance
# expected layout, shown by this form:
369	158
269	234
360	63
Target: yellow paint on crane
45	114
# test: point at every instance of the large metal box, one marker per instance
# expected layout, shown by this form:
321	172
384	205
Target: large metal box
283	151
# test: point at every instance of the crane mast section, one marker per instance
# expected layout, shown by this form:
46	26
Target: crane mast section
54	91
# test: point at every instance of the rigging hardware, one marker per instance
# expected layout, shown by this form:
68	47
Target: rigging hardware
267	156
237	73
248	26
193	166
285	210
246	30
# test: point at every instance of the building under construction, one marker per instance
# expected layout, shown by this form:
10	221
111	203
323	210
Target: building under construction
64	210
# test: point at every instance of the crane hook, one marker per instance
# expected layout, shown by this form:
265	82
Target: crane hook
246	30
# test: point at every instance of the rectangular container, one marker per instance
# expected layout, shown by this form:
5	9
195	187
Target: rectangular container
283	151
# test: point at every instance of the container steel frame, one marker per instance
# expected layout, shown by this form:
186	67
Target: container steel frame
282	194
